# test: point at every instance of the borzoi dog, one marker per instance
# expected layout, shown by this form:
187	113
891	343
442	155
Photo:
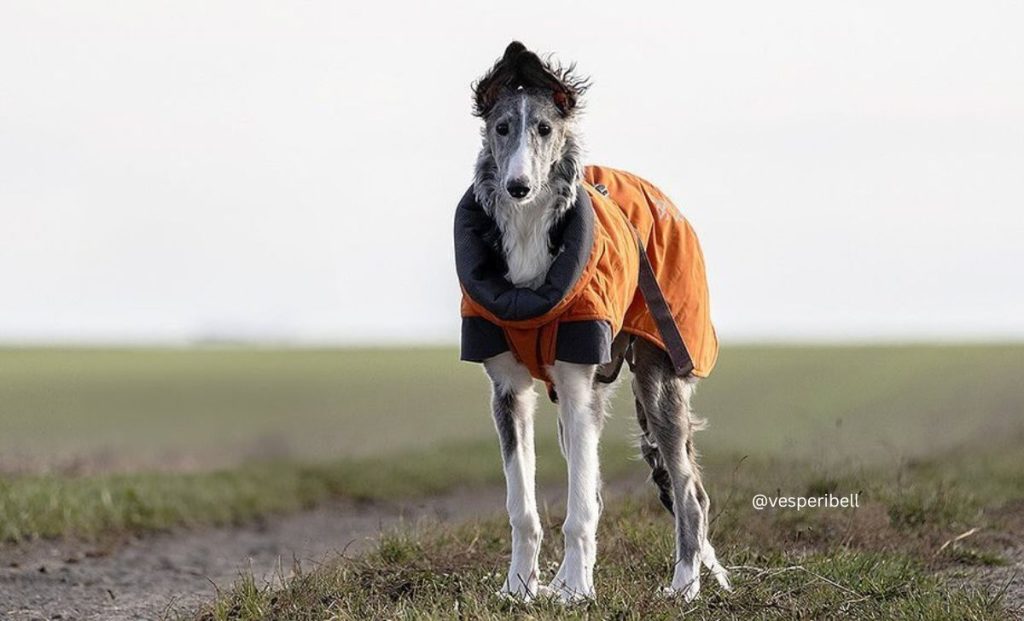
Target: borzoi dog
566	271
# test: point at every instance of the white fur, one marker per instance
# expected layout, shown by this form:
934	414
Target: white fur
524	239
519	163
580	412
580	416
520	474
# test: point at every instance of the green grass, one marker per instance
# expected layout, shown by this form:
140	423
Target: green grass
844	585
438	577
850	564
96	506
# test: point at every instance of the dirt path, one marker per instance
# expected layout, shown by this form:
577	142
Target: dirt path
1009	579
154	576
1006	578
151	577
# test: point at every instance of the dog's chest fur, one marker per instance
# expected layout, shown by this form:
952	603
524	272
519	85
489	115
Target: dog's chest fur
525	240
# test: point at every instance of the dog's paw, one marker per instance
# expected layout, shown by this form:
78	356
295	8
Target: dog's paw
521	585
710	561
567	594
687	592
522	598
723	578
546	592
521	594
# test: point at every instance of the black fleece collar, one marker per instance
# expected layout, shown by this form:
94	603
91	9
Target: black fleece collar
481	267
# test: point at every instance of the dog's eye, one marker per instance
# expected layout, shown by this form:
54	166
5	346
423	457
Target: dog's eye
544	129
502	129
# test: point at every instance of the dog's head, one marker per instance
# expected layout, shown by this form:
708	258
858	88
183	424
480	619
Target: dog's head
528	107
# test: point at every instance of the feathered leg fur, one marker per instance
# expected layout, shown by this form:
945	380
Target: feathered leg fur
668	423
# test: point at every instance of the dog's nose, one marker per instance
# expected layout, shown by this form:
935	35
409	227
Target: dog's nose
517	189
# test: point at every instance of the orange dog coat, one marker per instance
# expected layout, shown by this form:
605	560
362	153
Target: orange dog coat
598	285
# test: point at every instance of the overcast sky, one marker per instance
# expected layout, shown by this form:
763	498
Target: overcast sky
179	170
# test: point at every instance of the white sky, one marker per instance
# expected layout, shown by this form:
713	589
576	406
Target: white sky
290	170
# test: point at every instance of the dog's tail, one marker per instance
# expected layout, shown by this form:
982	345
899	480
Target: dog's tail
652	455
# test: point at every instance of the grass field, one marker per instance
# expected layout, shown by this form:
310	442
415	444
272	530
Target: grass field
194	409
99	442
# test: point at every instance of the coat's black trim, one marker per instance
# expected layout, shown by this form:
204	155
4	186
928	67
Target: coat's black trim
481	268
481	339
584	342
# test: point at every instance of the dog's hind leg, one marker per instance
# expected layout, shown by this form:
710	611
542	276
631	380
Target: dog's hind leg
581	416
707	551
664	400
649	451
513	402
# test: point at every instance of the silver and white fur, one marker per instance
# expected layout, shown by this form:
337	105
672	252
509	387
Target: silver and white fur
527	175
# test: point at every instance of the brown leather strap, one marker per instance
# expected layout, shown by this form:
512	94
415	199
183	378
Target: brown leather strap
656	304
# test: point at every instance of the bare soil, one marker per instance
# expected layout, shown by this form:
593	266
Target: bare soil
160	576
157	576
1009	580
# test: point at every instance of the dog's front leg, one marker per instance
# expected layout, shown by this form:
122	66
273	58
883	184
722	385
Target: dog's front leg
581	416
513	403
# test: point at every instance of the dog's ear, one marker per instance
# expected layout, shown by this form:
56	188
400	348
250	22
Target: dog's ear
566	89
487	89
521	68
568	95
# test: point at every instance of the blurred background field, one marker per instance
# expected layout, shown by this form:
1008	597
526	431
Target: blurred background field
84	411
